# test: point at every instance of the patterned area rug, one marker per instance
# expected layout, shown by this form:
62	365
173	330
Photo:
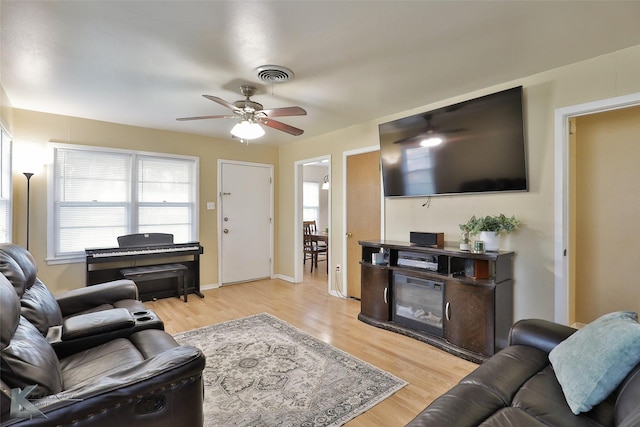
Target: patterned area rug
261	371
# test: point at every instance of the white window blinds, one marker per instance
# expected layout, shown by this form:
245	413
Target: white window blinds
166	191
92	199
310	200
102	194
5	187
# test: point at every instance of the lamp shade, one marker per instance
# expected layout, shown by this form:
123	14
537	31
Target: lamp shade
247	130
325	184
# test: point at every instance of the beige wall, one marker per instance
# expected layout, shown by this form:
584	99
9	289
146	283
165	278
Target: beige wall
34	130
598	78
334	145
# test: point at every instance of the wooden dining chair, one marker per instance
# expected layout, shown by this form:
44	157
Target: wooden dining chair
307	243
311	248
314	229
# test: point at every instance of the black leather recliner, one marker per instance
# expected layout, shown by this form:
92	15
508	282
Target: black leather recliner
89	356
145	379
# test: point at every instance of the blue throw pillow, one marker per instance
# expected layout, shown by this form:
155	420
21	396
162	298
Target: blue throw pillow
592	362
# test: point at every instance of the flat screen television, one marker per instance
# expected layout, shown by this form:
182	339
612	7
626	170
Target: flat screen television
474	146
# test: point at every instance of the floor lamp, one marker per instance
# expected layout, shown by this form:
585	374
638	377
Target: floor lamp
28	175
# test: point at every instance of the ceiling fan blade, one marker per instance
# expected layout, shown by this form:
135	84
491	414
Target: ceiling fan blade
182	119
285	111
222	102
281	126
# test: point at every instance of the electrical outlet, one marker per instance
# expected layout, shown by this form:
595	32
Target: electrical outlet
337	268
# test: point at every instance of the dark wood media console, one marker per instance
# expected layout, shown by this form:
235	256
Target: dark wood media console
458	301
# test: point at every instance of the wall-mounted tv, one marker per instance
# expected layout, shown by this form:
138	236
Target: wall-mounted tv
475	146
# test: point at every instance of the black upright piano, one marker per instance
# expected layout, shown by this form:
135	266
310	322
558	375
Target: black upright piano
136	250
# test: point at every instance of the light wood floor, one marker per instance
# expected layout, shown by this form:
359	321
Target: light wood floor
429	371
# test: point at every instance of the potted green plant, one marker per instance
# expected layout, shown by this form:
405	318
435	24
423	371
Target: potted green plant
488	228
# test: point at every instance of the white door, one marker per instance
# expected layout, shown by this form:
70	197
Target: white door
245	227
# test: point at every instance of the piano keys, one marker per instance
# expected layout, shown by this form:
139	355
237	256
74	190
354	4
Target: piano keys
138	251
104	264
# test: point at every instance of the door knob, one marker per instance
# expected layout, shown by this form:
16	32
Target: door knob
225	231
348	234
226	219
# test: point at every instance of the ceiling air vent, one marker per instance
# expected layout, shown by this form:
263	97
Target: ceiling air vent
273	74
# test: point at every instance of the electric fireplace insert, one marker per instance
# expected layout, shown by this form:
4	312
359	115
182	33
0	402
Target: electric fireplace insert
418	303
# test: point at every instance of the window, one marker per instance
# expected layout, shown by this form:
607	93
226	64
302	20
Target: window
310	201
5	187
100	194
418	168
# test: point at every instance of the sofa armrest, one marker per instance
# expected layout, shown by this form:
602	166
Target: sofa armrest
81	299
541	334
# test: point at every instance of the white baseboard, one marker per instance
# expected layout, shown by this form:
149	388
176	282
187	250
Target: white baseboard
217	285
283	277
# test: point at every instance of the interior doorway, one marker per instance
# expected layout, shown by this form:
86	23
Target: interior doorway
315	211
313	203
565	193
605	210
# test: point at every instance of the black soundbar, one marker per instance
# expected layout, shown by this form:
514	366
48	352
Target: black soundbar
427	239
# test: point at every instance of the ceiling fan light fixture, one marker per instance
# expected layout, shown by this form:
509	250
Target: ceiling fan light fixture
431	141
246	129
252	115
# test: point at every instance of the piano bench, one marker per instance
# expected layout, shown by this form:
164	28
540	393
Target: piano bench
155	272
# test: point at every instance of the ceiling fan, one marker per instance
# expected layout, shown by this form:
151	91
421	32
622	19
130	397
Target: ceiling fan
432	135
252	114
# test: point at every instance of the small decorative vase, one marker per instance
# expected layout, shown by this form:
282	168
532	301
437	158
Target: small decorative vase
465	243
491	240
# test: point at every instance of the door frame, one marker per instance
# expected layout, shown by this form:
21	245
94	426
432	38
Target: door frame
298	273
346	154
219	214
562	195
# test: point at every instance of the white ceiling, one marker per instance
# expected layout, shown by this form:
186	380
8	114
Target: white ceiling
145	63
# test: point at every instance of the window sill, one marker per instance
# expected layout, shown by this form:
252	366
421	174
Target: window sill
71	259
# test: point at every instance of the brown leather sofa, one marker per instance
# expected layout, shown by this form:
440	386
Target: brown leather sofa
518	387
90	357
